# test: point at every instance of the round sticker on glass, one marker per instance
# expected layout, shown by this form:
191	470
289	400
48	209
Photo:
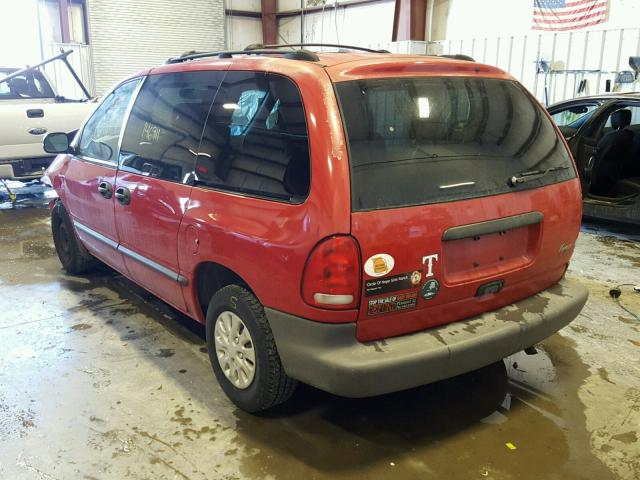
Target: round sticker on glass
430	289
379	265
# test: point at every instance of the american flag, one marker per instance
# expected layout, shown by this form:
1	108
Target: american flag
562	15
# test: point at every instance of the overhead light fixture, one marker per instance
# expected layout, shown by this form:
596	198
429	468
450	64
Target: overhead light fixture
230	106
424	110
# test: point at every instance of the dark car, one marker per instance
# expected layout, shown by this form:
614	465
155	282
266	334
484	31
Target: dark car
603	133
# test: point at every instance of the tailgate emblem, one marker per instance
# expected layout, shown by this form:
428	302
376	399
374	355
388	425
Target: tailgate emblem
379	265
37	131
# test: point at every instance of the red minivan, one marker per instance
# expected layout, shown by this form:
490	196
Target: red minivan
359	221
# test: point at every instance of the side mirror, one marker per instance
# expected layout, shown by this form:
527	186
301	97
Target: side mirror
56	143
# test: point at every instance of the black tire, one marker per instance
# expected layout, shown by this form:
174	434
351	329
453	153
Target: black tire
270	385
74	257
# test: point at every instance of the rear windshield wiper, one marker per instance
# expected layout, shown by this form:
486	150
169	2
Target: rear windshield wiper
524	177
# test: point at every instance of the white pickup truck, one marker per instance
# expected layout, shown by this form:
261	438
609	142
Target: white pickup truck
29	109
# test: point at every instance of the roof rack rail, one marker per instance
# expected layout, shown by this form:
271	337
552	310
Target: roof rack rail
256	46
301	54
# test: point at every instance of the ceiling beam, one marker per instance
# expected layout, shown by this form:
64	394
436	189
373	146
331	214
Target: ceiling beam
298	11
269	22
409	20
64	21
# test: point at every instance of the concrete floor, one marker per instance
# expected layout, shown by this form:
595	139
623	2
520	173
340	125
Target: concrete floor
99	380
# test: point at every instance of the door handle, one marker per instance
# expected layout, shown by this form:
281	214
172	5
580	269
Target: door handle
123	195
105	189
35	113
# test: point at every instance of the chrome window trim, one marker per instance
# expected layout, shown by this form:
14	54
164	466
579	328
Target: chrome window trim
167	272
127	114
104	163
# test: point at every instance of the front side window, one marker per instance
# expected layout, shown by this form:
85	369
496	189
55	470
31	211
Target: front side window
255	140
163	133
100	135
415	141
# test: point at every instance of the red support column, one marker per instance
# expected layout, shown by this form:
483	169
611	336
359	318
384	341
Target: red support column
64	20
269	22
409	20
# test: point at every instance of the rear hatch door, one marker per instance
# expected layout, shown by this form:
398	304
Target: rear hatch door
464	198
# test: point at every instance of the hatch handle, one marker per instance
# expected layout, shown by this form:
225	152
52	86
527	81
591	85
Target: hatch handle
490	288
492	226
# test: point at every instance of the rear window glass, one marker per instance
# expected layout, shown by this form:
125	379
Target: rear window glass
31	84
417	141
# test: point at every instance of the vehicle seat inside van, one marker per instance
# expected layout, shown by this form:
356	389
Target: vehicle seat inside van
631	166
612	148
629	182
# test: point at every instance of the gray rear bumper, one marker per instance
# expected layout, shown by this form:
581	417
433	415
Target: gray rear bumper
329	357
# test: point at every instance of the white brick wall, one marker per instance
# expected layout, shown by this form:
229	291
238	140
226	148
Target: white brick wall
129	35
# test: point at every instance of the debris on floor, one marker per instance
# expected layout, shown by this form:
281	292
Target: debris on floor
616	292
16	194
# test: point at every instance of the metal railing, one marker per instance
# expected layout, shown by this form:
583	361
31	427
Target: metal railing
553	66
556	66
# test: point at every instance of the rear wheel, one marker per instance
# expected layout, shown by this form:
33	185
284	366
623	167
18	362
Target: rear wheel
74	257
243	352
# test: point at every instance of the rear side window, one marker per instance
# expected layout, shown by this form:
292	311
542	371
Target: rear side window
101	134
255	140
164	129
417	141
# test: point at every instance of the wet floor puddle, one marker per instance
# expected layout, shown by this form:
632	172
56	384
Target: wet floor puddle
520	421
480	425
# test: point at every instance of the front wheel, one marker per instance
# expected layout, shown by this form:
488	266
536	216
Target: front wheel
243	352
74	257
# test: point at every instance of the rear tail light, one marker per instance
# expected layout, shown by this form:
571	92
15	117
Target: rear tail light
332	275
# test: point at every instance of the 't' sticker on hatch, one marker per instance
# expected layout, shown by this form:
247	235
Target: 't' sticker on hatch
379	265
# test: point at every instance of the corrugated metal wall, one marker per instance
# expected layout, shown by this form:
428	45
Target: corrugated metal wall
127	36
